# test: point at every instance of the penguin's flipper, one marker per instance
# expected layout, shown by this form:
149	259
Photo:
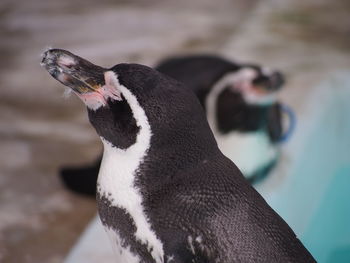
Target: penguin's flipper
274	124
81	180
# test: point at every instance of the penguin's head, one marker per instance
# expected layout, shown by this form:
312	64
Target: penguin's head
124	99
258	86
247	90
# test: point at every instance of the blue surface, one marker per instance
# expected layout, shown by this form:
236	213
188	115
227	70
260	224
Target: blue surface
328	236
314	194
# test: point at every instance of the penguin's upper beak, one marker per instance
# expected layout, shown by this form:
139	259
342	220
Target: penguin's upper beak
75	72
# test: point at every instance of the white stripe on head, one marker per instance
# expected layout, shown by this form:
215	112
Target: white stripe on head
117	175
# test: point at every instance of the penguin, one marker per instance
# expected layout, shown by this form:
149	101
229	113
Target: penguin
242	108
165	192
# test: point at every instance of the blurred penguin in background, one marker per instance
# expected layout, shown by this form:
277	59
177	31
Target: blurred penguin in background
241	105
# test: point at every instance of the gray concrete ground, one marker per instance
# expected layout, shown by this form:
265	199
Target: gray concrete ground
40	131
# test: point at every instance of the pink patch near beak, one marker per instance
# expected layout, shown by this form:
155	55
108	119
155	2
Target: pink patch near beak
246	87
99	97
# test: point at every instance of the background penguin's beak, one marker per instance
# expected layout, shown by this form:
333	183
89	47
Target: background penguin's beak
73	71
271	82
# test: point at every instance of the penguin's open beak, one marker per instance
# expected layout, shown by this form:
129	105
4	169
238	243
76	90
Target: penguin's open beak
75	72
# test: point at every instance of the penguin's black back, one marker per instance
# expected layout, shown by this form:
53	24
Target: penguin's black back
199	72
214	203
211	200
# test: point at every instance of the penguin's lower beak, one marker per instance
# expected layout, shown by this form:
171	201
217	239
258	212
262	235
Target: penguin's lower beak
75	72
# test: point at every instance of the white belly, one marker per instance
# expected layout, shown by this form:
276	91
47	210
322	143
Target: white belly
250	151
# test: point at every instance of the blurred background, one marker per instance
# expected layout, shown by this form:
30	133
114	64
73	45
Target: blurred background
308	40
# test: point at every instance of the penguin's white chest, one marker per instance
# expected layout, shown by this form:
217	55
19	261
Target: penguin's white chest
116	183
250	151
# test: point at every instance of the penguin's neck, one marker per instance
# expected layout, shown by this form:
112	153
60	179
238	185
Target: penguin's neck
118	167
246	118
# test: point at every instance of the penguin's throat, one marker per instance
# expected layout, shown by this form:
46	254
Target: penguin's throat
116	184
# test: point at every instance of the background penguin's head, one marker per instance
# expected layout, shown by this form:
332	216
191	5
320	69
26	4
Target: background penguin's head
116	98
256	85
249	90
